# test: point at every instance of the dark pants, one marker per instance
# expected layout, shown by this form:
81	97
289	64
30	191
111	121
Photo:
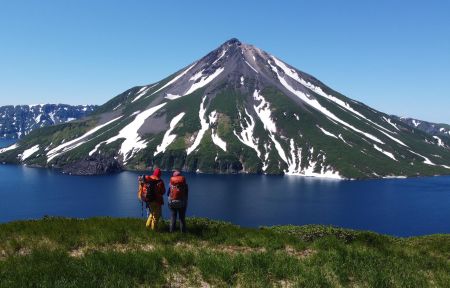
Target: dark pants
173	221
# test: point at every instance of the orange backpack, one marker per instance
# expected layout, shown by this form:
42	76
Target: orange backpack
177	188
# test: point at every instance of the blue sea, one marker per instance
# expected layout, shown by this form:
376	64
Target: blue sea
400	207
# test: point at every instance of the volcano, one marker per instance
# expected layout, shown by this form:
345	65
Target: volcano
239	109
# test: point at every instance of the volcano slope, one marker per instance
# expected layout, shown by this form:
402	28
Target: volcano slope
238	109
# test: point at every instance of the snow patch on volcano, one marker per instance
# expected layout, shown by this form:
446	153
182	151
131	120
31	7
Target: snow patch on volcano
70	145
440	143
140	93
264	113
196	76
389	121
224	51
205	125
246	135
9	148
169	138
133	142
343	140
215	138
389	154
204	80
143	91
267	148
95	148
203	129
218	141
295	164
249	65
293	74
316	105
426	160
175	78
393	138
172	96
27	153
326	132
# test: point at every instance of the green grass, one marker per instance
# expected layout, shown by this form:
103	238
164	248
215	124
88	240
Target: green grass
106	252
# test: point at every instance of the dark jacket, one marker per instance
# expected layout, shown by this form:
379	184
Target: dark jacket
160	189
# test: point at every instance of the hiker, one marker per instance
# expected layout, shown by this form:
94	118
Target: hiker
151	191
178	198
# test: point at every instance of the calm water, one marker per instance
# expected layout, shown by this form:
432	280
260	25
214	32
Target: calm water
402	207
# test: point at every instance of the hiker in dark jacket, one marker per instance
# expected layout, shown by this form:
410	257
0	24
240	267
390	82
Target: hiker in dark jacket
157	201
177	198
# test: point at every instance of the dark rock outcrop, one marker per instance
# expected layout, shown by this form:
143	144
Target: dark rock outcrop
93	166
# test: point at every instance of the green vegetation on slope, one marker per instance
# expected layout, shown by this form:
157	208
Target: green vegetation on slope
104	252
303	134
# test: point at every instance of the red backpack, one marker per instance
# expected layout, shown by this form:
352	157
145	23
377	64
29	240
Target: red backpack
177	188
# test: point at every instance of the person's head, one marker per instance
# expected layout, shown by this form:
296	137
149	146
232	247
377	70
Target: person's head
176	173
157	172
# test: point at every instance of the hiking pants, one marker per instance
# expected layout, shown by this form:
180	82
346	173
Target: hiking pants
155	214
173	220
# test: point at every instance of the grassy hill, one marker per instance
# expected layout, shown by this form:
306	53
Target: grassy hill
105	252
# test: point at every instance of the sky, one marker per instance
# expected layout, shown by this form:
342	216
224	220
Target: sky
392	55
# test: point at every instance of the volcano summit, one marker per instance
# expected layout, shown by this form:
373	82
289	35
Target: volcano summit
238	109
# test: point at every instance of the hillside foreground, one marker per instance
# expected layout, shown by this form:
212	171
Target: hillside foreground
107	252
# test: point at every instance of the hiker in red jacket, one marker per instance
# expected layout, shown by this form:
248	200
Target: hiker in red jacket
152	192
178	198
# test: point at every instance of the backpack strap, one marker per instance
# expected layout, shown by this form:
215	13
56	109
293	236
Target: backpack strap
158	184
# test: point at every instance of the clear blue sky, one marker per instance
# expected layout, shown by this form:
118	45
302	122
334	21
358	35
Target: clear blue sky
392	55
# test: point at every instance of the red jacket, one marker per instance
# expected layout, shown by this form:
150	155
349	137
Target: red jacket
161	189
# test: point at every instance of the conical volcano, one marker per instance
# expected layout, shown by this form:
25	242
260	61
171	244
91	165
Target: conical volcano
238	109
